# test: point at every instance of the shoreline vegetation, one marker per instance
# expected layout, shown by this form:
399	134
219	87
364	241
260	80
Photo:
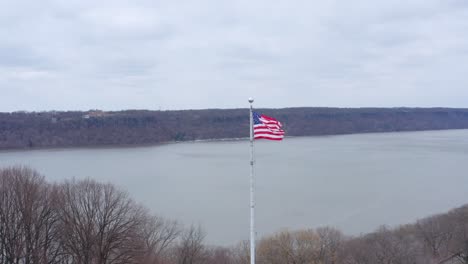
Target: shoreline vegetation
84	221
214	140
95	128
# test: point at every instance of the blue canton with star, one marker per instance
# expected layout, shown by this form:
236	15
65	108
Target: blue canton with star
256	118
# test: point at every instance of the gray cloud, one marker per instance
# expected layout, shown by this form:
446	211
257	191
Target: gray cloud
57	54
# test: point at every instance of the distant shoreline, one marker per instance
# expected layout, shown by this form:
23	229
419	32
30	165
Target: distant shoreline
133	128
129	146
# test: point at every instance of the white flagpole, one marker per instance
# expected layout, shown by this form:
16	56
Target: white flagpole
252	189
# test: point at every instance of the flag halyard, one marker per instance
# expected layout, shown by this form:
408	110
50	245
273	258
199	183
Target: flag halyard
265	127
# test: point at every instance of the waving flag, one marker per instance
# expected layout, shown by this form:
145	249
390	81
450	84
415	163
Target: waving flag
266	127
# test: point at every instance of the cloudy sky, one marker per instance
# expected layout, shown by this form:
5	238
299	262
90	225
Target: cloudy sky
171	54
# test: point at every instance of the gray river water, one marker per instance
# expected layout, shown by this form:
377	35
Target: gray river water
353	182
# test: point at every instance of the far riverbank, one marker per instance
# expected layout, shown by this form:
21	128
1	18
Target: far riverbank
44	130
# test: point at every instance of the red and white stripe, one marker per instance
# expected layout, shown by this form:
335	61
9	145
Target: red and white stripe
269	129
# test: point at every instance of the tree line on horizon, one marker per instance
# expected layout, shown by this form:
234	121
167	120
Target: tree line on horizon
87	222
23	130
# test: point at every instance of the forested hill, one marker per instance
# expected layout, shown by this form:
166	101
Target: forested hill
133	127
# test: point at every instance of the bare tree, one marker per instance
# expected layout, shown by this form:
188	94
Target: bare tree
459	245
356	251
28	219
436	232
331	240
389	247
299	247
99	224
81	222
218	255
158	235
191	249
241	253
383	247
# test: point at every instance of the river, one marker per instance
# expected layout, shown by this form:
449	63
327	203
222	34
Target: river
352	182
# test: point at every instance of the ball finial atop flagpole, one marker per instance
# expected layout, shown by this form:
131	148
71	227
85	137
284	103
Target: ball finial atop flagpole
251	100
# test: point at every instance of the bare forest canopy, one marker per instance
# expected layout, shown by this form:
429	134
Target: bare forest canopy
139	127
90	222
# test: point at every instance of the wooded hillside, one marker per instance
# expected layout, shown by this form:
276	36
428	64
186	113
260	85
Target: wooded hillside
133	127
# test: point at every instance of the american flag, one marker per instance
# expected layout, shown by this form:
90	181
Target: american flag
267	127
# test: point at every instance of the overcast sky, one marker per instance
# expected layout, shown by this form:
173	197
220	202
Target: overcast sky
111	55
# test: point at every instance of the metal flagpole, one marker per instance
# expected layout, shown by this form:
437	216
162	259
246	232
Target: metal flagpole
252	188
